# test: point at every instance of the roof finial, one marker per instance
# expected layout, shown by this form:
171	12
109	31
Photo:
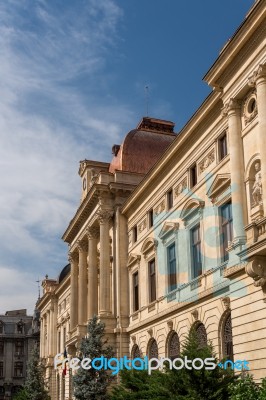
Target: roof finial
147	99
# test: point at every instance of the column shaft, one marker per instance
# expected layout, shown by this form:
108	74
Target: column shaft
105	277
82	285
239	208
73	292
92	273
261	100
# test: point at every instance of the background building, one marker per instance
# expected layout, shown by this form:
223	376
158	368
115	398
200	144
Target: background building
171	234
19	333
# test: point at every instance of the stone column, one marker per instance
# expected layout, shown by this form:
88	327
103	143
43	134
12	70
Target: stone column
41	337
92	306
82	283
105	276
73	290
259	80
48	333
239	208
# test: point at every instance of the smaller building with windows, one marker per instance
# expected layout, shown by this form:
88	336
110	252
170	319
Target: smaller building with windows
19	333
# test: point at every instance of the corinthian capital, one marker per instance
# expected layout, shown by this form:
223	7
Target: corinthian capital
259	73
72	257
104	215
82	245
231	105
92	232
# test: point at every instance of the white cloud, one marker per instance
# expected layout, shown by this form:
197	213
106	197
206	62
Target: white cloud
51	116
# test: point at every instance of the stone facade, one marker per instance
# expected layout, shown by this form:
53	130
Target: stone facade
155	251
19	333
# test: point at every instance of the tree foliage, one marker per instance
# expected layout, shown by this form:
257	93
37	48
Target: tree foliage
91	383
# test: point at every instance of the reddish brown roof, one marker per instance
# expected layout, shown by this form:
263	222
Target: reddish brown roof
142	147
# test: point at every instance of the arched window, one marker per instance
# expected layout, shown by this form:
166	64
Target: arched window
173	346
135	352
228	339
152	349
201	335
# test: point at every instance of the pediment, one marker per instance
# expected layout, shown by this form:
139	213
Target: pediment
191	206
167	228
133	259
219	185
148	245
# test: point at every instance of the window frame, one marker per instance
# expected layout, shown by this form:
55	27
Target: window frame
135	287
224	232
195	245
222	153
152	281
170	286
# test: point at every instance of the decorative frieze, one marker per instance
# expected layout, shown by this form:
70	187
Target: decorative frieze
181	187
159	208
208	160
142	225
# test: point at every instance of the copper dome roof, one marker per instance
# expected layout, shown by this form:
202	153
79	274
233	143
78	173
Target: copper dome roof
143	146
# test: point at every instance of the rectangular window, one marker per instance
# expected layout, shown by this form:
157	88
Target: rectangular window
150	218
196	252
222	147
171	263
135	233
193	175
170	199
227	228
18	369
19	348
135	291
152	280
64	338
1	369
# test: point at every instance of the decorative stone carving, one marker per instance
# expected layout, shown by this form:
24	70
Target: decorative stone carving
150	332
72	257
208	160
142	225
92	232
82	245
160	208
250	108
104	216
195	314
181	187
256	269
259	73
232	105
226	302
257	187
170	325
133	338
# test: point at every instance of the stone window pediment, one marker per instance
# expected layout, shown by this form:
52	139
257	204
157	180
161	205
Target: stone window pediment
149	245
168	228
191	207
133	259
220	184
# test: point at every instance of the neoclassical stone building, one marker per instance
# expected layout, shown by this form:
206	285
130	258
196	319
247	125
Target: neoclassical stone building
171	234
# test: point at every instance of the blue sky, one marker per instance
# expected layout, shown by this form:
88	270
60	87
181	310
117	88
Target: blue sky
72	83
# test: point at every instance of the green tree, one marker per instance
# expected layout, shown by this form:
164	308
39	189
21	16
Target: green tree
34	388
246	388
92	383
182	384
200	384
